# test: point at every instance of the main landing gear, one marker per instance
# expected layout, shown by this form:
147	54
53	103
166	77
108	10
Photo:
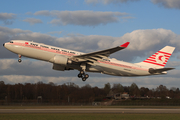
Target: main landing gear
83	75
19	60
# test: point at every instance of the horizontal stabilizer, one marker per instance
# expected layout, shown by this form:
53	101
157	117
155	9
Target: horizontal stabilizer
152	71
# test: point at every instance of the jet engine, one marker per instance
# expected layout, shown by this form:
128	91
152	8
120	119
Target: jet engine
61	60
60	67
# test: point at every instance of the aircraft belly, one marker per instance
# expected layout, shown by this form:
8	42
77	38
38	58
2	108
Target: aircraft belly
121	71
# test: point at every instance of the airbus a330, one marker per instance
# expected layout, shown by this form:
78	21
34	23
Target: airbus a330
99	61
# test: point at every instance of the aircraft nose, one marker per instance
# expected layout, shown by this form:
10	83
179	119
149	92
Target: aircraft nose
3	44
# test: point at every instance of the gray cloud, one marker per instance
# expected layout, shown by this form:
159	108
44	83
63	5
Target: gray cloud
35	68
55	32
174	73
173	63
43	12
109	1
164	3
32	21
168	3
83	18
150	39
7	18
178	57
143	43
150	82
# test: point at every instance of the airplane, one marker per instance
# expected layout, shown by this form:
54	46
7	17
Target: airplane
99	61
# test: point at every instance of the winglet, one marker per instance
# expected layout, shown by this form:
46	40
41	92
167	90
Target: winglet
125	44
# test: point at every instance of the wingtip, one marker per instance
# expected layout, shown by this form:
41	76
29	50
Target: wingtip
125	44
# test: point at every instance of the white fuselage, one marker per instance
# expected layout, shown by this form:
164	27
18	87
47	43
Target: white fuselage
47	53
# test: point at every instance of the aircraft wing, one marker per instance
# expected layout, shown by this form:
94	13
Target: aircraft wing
99	55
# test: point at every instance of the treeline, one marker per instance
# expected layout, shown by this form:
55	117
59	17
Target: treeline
70	92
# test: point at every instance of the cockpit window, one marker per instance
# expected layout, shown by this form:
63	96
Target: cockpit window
11	41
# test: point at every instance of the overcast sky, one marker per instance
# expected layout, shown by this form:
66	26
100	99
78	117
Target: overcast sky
87	26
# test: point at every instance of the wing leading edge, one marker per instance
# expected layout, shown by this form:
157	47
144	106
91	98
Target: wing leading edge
95	56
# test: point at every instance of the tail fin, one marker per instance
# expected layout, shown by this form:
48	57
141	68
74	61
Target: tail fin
159	59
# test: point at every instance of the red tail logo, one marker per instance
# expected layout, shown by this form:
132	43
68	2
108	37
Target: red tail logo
160	58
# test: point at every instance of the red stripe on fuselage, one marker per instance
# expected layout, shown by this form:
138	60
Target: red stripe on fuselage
44	49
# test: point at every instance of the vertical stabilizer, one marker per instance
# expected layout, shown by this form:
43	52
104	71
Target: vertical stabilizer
159	59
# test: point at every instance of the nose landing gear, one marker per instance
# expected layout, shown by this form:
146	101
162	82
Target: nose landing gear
83	75
19	60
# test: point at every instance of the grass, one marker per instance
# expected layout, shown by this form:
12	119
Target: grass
71	116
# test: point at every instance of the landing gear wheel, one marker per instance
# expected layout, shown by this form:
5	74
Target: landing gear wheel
83	75
79	75
81	72
86	76
19	60
83	79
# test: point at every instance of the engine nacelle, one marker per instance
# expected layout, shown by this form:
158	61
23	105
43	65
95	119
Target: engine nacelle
58	67
61	60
